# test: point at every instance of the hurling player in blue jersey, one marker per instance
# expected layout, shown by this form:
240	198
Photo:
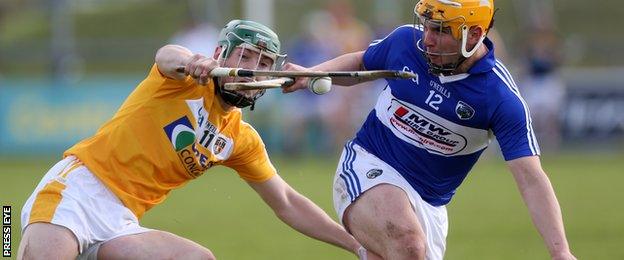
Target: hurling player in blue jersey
424	135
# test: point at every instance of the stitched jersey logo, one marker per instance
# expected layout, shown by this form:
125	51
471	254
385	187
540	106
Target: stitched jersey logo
182	136
180	133
219	145
464	111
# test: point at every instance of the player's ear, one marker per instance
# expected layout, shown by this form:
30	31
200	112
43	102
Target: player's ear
474	35
217	52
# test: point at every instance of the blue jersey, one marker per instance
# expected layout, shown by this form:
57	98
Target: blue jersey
432	129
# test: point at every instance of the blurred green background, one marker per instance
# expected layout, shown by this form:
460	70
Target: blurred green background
66	65
121	36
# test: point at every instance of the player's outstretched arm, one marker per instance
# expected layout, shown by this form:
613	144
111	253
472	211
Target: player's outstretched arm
347	62
303	215
171	57
539	196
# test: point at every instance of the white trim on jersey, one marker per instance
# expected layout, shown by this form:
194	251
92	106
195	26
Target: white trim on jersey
504	75
452	78
517	91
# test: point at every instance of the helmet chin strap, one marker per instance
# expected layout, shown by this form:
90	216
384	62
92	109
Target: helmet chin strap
235	99
465	52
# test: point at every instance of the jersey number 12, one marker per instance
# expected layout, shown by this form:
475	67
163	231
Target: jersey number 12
434	100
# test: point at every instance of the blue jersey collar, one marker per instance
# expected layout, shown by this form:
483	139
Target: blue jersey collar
487	62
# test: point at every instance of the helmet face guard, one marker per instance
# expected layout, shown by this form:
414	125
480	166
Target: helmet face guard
249	37
448	60
257	42
239	98
254	34
454	18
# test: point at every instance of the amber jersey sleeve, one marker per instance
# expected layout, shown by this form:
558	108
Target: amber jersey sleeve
251	160
166	133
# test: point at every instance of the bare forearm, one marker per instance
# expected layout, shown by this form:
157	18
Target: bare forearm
346	62
545	211
309	219
302	214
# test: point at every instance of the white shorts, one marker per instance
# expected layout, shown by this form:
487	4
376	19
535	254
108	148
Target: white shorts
69	195
358	171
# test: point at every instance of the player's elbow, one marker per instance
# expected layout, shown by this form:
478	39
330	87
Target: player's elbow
282	214
169	58
167	54
287	207
285	213
164	52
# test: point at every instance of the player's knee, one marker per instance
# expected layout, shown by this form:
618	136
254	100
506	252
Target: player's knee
407	243
408	247
32	250
47	241
415	249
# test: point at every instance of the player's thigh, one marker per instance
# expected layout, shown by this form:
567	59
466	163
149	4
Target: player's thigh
47	241
382	218
154	244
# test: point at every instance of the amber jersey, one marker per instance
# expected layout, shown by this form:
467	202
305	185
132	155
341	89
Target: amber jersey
166	133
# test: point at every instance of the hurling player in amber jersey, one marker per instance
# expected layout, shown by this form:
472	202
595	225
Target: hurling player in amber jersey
170	130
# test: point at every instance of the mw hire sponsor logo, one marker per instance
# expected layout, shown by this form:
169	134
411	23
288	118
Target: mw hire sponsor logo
421	129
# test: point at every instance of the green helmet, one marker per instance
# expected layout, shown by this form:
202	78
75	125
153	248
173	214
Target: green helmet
237	32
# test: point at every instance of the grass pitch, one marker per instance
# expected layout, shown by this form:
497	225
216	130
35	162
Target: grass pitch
487	217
